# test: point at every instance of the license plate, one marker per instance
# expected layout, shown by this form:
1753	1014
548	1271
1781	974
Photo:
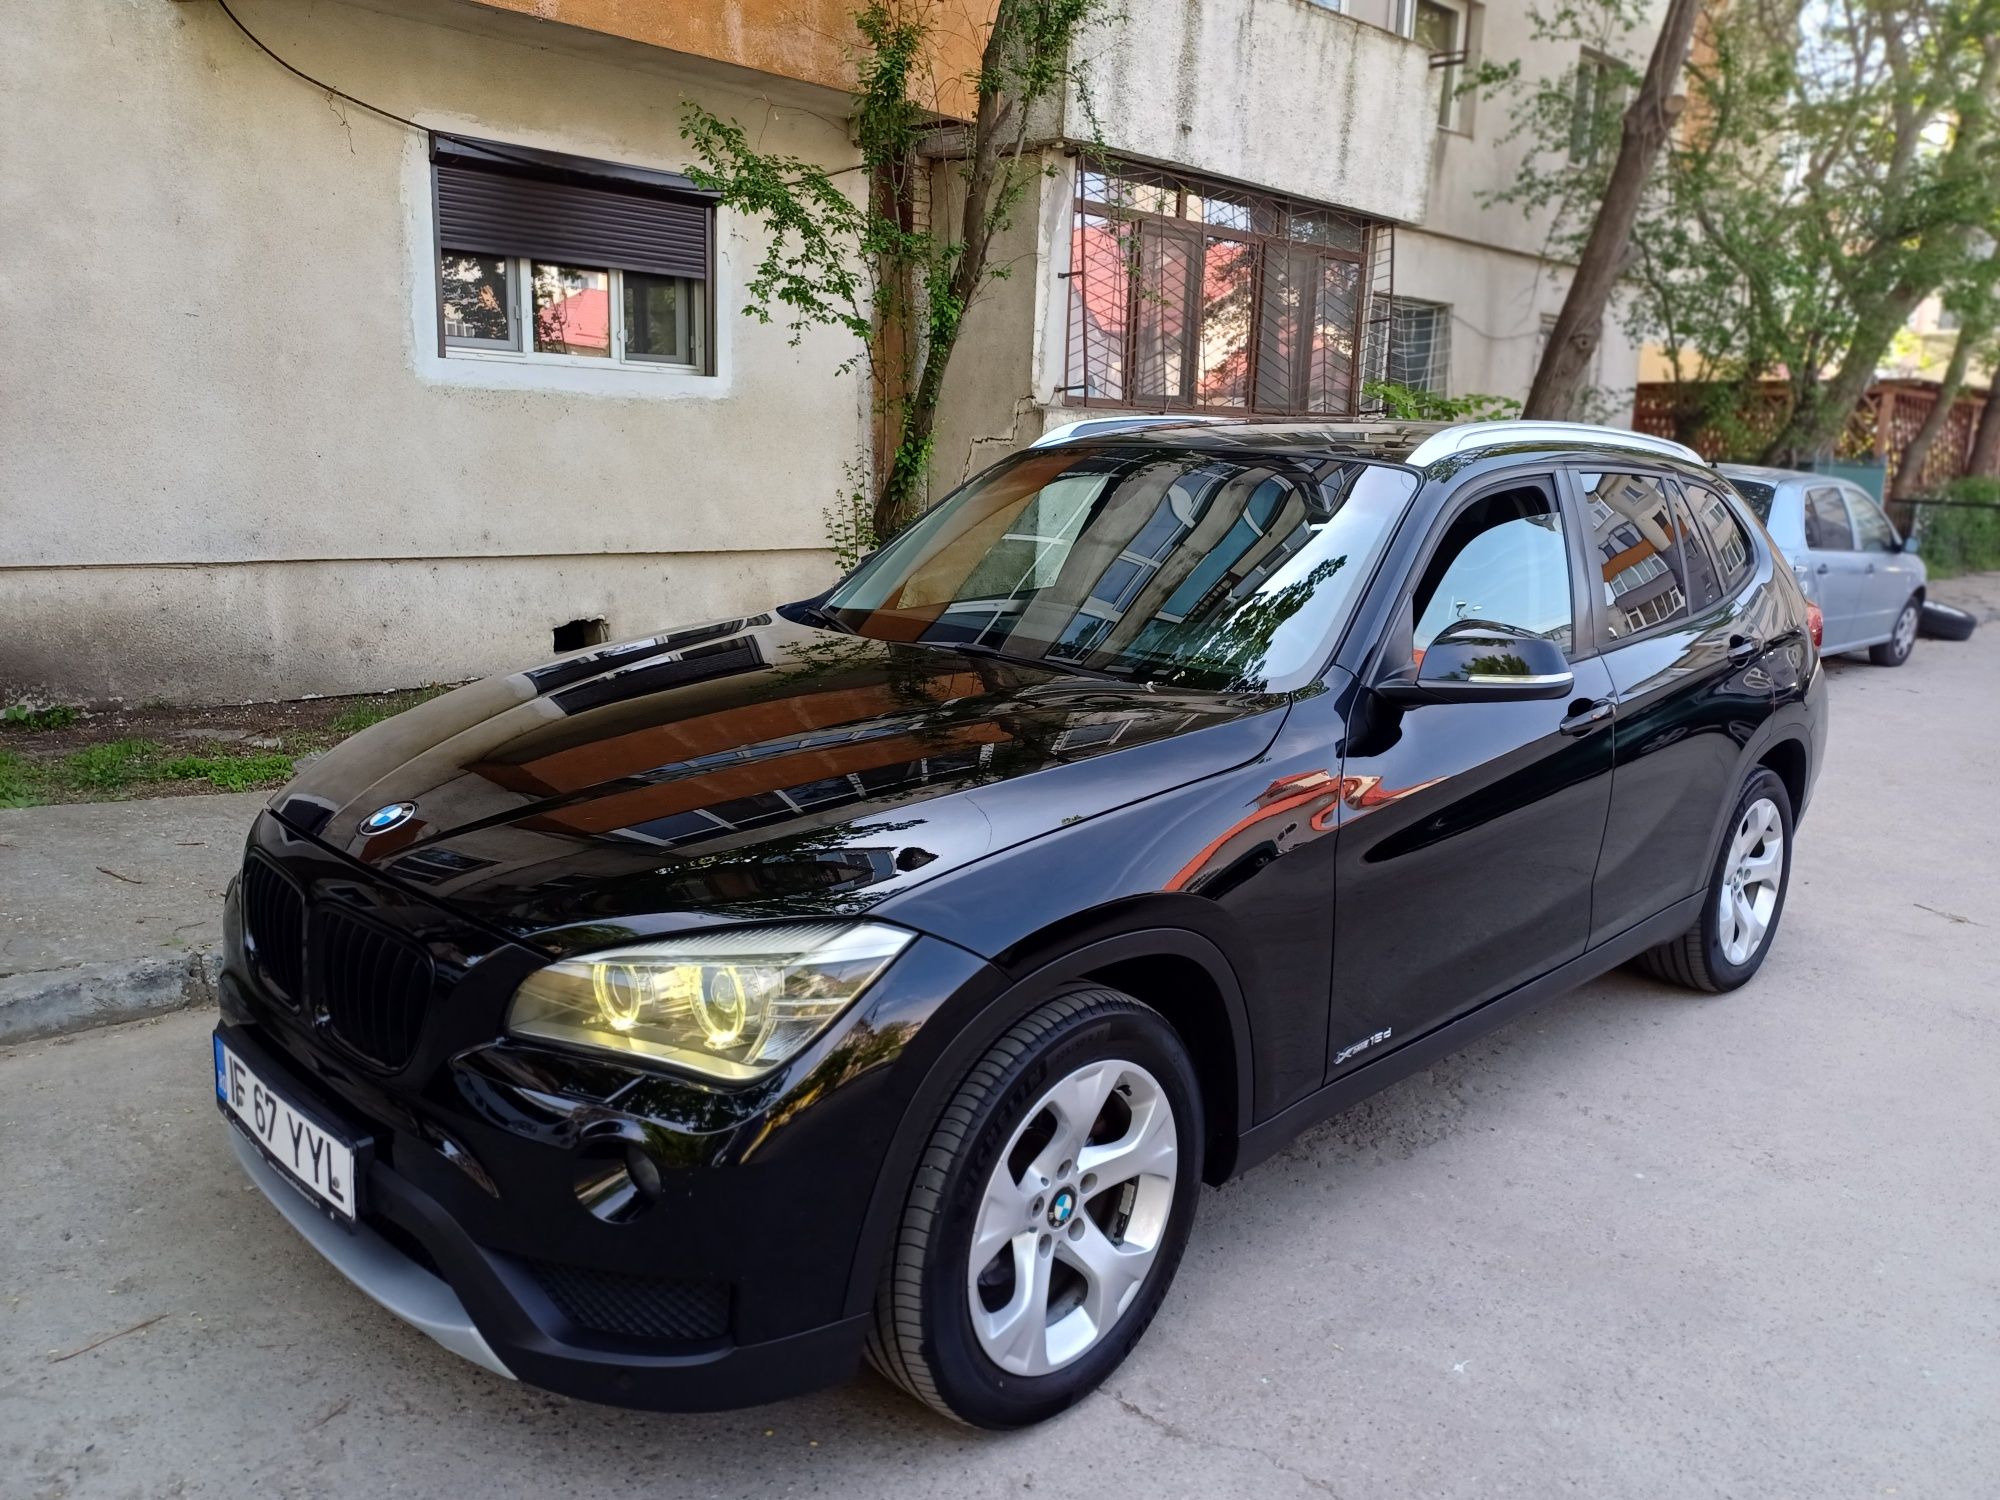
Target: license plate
313	1157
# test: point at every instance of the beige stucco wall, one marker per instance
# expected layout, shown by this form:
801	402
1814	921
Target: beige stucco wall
1278	94
236	465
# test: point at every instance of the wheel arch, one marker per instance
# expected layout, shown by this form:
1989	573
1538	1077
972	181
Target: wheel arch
1180	972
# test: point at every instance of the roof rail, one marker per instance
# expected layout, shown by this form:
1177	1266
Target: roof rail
1480	434
1091	427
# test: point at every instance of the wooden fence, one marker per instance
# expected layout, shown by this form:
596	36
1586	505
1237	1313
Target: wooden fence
1878	431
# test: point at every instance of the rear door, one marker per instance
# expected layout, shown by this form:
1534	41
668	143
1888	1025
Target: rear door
1887	577
1468	832
1836	566
1682	637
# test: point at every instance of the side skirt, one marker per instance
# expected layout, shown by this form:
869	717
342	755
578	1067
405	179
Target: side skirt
1265	1140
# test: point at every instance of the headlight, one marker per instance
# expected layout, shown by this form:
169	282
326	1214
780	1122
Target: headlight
733	1002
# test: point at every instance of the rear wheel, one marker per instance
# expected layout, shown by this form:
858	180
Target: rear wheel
1745	896
1048	1214
1896	650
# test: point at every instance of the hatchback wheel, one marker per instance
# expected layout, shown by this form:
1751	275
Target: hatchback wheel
1745	896
1048	1214
1896	650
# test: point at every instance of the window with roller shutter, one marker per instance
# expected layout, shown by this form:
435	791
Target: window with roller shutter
546	256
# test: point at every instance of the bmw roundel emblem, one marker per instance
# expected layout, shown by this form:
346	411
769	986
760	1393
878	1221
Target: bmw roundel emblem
395	815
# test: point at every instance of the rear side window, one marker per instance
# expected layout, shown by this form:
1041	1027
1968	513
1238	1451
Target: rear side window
1757	496
1727	542
1636	542
1826	522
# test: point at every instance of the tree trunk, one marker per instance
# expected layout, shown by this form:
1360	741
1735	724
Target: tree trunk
997	126
1910	472
1558	389
1816	422
1985	457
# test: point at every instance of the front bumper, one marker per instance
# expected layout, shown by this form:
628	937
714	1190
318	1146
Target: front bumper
749	1273
384	1274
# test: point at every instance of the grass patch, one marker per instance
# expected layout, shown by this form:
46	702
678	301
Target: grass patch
109	767
231	773
1959	539
370	711
20	716
19	786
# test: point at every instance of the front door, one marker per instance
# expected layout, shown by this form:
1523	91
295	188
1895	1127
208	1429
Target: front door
1836	567
1888	577
1468	832
1684	633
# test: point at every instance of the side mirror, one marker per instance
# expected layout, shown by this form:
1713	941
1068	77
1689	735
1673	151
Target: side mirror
1484	665
1909	545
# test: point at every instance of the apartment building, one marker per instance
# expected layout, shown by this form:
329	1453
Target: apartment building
311	395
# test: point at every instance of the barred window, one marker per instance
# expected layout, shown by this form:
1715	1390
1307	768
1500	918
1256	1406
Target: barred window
1420	345
1193	296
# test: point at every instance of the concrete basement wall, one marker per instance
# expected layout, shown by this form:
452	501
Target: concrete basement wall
236	465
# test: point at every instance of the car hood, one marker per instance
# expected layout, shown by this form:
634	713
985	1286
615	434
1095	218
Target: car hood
746	768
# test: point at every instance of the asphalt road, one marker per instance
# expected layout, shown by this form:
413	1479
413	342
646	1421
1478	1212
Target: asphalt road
1643	1243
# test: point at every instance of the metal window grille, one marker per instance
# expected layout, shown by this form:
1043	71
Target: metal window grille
1194	296
1420	345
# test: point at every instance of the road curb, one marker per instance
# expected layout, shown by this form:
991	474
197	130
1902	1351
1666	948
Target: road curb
54	1002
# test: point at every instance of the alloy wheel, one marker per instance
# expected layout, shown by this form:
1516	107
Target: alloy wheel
1751	880
1906	630
1073	1217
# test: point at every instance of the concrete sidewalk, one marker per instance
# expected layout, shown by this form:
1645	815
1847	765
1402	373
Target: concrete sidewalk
113	910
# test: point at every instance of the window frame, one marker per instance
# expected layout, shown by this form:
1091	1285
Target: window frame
1440	345
1139	226
1585	150
521	314
1451	106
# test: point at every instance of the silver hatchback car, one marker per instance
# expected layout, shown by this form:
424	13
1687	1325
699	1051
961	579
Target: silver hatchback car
1865	577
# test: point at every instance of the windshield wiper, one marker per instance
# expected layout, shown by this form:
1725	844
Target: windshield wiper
812	614
1059	668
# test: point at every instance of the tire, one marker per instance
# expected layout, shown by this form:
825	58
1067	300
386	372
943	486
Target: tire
942	1326
1941	622
1896	650
1705	957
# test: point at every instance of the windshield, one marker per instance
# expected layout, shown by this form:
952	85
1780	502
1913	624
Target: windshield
1757	495
1186	568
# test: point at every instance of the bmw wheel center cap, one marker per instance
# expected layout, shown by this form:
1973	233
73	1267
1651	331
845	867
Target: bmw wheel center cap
395	815
1061	1207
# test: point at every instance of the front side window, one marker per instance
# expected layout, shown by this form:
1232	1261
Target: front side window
1872	531
1638	550
1186	295
549	257
1196	569
1504	562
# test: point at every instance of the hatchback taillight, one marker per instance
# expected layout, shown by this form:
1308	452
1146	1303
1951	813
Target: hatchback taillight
1815	623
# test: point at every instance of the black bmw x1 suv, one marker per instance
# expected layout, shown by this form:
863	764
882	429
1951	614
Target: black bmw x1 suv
673	1024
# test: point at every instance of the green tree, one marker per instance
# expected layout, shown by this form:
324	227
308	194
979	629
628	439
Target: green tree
864	262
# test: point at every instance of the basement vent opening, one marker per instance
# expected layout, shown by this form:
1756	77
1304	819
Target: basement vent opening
580	633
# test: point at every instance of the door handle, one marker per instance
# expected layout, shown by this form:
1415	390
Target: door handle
1743	649
1822	568
1579	720
1871	567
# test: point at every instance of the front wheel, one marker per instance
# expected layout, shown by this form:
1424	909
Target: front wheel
1745	896
1903	639
1048	1214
